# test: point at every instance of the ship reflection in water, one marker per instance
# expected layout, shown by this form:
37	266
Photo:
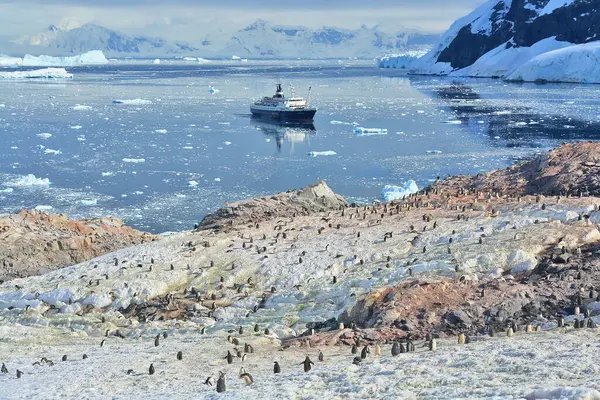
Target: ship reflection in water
292	132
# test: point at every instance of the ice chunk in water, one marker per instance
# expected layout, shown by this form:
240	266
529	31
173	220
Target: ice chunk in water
134	160
89	202
81	107
321	153
160	130
29	180
44	135
212	89
135	102
360	131
391	192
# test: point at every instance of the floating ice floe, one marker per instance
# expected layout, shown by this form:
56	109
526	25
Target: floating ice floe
192	183
156	61
454	122
81	107
52	151
236	58
433	151
391	192
360	131
76	127
321	153
212	89
47	73
160	130
217	179
226	143
133	102
44	135
134	160
29	180
7	190
89	202
43	208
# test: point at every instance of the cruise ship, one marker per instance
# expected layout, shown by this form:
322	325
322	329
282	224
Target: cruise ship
283	109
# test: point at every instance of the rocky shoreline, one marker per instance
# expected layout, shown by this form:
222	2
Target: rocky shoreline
302	271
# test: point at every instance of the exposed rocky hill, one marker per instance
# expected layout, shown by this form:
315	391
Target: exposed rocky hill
32	242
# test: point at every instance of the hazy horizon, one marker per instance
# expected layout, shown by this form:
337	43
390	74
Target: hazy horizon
189	20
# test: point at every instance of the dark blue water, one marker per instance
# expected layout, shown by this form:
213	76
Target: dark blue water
436	126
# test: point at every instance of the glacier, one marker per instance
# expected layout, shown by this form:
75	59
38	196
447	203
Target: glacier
48	73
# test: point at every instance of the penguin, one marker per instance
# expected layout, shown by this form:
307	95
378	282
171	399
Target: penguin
156	340
85	356
209	381
576	323
307	364
256	328
410	346
529	328
180	355
64	357
102	342
341	326
246	376
4	370
432	345
509	332
151	370
321	357
276	368
395	349
267	331
229	357
491	332
561	322
354	349
461	338
241	330
235	341
248	348
364	352
221	383
19	374
356	360
403	348
244	356
203	330
377	350
514	326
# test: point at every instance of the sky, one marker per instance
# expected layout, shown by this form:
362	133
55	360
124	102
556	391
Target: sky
191	19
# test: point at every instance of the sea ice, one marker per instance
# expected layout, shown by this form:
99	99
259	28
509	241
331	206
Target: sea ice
76	127
94	57
52	151
89	202
7	190
433	151
391	192
81	107
136	102
44	135
212	89
43	208
134	160
192	183
156	61
160	130
321	153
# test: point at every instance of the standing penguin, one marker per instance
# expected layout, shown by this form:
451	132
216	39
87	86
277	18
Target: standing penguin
354	349
19	373
229	357
4	370
461	338
364	352
151	370
395	349
180	355
509	332
321	358
276	368
307	364
377	349
432	344
156	340
221	383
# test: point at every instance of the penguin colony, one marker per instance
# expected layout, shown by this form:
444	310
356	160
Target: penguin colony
358	354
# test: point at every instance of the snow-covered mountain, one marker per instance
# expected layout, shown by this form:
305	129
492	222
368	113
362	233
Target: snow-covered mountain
260	39
264	39
90	37
521	40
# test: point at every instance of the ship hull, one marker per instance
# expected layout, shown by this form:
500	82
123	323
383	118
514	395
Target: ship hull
284	116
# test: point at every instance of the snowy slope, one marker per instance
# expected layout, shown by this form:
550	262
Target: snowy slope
501	36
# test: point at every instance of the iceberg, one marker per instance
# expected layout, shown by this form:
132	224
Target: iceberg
81	107
95	57
212	89
321	153
47	73
7	61
390	192
29	180
133	102
156	61
400	61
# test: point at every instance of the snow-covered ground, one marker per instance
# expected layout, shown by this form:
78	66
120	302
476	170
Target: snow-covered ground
94	57
546	365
